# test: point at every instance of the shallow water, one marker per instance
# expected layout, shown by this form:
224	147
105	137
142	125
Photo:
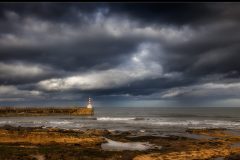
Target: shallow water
121	146
219	158
235	144
192	136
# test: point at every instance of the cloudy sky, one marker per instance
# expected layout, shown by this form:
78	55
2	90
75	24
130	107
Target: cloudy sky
121	54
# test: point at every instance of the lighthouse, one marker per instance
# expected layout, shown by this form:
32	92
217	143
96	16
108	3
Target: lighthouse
89	103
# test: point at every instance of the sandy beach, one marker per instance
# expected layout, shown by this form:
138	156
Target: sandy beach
40	143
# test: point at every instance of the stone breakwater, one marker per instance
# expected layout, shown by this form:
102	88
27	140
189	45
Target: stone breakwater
77	111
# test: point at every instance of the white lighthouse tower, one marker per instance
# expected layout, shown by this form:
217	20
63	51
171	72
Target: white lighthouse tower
89	103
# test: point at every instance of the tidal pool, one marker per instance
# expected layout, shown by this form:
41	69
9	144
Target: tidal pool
120	146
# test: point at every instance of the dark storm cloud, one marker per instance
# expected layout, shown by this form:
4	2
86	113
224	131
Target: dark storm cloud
79	54
23	73
164	13
51	11
168	13
213	50
147	50
144	88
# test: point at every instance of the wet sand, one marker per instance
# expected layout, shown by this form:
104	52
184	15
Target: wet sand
52	143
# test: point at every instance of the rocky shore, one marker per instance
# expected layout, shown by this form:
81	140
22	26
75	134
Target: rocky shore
41	143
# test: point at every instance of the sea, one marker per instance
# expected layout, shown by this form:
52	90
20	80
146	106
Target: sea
145	119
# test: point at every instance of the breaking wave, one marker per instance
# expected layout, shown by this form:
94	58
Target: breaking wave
110	122
60	122
115	118
162	122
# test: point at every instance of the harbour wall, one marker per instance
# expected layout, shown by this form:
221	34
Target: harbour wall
76	111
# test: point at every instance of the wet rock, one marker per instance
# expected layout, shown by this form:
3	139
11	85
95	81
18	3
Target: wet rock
233	157
97	132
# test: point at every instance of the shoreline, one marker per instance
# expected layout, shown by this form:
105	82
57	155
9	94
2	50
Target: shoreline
54	143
